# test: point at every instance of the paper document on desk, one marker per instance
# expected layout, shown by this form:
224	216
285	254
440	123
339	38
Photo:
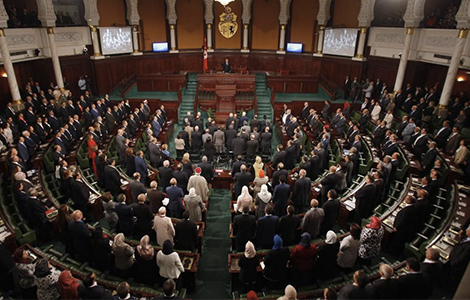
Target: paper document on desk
350	204
165	201
124	182
235	207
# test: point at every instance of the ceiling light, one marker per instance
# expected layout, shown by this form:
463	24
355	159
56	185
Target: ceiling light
224	2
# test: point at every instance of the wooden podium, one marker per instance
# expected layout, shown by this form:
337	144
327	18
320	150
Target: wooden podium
225	93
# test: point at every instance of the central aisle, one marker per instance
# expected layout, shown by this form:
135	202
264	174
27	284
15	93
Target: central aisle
213	275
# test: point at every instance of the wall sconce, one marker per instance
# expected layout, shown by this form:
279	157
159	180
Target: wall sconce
4	75
460	79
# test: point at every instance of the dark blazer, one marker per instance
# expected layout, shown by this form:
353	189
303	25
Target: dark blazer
352	292
144	217
137	188
81	236
280	197
459	259
279	157
364	197
113	180
429	159
207	171
186	235
435	272
268	226
181	180
244	228
130	166
126	220
405	223
81	194
288	229
141	168
331	209
96	292
251	147
390	149
165	176
155	198
301	193
238	146
328	183
175	205
420	146
415	286
236	166
241	179
384	289
441	138
37	212
276	175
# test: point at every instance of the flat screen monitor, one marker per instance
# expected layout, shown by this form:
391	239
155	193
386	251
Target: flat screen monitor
340	41
294	47
159	47
116	40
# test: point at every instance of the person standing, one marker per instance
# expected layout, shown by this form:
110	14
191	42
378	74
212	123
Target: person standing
163	227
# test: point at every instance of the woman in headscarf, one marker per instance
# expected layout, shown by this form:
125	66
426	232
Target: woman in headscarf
262	199
244	198
275	270
258	166
123	255
248	264
258	182
169	262
46	280
326	257
303	260
146	266
101	255
26	274
68	285
290	293
371	238
194	205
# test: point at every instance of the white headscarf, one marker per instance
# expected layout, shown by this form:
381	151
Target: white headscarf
330	237
192	192
119	240
250	250
245	195
264	195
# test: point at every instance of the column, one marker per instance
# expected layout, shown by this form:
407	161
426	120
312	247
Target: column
209	38
173	39
245	38
362	42
135	40
453	68
55	58
95	40
8	65
282	40
403	59
320	36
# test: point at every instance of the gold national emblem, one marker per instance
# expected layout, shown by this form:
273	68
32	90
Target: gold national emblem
228	23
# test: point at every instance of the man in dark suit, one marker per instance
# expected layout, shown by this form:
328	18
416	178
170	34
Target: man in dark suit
288	227
460	257
420	144
144	217
230	135
251	147
80	234
390	147
266	138
91	290
268	227
181	178
155	197
22	148
80	193
364	196
414	284
196	139
243	178
386	287
186	234
244	228
280	196
279	157
226	68
125	214
301	192
276	175
113	179
453	141
347	88
166	173
379	134
404	226
238	145
305	111
443	134
154	153
328	183
207	170
175	205
364	120
433	268
331	209
37	215
429	158
136	187
358	289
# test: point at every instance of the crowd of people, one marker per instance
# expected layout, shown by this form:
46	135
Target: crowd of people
18	18
268	211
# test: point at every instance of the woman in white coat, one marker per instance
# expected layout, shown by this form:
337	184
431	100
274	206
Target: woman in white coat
169	262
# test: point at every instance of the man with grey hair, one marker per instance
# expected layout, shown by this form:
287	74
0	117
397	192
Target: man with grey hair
242	178
166	173
37	215
155	197
386	287
219	140
313	219
196	139
163	227
207	170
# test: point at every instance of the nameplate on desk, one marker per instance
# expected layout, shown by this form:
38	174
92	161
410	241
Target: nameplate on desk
463	204
124	182
461	213
350	204
235	207
218	170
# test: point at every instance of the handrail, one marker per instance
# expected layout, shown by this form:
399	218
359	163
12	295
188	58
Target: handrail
126	84
329	86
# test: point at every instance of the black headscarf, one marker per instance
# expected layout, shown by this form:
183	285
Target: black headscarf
167	247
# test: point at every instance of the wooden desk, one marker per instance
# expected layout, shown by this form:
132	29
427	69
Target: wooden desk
222	180
293	83
160	81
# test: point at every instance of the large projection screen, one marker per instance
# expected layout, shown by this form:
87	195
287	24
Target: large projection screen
116	40
340	41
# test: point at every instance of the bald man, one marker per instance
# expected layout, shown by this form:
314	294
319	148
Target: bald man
81	235
386	287
313	219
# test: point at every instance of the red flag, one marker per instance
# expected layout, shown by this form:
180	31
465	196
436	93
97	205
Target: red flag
204	56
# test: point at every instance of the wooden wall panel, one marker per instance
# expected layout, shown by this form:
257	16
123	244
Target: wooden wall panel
152	23
302	28
235	42
190	24
112	13
383	68
265	25
345	13
336	69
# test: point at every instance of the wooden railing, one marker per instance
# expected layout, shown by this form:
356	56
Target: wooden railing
126	84
329	86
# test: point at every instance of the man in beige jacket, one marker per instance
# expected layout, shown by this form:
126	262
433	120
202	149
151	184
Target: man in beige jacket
163	227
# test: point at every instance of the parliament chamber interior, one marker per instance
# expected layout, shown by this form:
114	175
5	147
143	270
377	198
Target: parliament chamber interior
234	149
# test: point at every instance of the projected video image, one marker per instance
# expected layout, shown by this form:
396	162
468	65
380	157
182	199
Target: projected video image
116	40
340	41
